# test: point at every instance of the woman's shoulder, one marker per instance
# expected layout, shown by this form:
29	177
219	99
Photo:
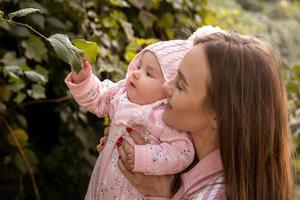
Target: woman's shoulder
205	180
213	191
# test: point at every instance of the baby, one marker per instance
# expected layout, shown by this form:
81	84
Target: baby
136	102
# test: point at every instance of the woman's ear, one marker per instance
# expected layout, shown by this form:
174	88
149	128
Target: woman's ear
213	121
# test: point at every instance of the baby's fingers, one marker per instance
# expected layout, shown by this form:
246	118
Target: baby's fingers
137	138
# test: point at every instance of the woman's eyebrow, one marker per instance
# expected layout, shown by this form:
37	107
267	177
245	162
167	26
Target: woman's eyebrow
180	74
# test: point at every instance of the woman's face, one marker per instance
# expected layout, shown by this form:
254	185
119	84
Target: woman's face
186	109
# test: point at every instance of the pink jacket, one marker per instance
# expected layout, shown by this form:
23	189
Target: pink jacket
205	181
168	151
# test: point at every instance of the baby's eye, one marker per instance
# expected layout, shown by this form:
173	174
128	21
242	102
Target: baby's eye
149	74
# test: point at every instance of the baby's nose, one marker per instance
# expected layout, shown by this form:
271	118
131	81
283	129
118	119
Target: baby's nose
136	74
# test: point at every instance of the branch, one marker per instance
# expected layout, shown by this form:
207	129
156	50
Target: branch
58	100
23	156
26	26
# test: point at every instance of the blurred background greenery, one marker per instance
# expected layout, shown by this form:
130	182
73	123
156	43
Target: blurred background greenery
58	138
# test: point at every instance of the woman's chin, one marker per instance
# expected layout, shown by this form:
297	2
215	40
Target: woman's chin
166	118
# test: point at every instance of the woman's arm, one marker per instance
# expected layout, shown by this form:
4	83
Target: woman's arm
157	186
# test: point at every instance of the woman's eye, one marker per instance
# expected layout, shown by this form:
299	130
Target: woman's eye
178	86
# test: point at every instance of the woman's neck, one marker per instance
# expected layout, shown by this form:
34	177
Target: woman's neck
204	145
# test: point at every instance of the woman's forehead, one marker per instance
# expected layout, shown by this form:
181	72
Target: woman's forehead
194	67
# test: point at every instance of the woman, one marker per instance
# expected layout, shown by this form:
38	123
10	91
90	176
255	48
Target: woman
230	97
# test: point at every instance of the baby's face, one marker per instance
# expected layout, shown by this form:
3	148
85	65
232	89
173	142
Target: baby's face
144	85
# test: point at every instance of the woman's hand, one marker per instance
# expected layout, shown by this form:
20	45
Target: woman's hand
85	71
103	140
126	152
149	185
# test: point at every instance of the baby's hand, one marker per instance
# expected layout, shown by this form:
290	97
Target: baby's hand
85	71
126	151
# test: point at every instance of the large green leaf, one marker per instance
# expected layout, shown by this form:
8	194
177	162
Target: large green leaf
23	12
90	49
66	51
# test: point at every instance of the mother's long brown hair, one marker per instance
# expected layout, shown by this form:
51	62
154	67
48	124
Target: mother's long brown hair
248	96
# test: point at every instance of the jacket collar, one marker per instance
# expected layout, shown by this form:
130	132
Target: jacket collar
204	171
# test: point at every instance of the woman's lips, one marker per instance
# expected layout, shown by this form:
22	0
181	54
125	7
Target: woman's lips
169	106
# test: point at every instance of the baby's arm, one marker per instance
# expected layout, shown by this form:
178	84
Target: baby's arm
171	156
89	92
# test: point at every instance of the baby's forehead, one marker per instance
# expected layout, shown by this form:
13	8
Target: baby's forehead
148	58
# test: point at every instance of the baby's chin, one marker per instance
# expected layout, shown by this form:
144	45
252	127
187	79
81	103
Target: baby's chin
133	99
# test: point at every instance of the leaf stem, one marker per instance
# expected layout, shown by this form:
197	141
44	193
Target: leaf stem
23	156
26	26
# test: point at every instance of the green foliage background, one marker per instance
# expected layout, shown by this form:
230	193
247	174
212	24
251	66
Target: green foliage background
59	139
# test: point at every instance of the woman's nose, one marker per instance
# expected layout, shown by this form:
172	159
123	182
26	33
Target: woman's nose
168	88
136	74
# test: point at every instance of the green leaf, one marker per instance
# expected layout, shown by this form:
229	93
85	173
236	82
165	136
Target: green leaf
34	48
21	135
17	85
109	22
90	49
20	97
14	69
66	51
38	20
3	107
296	69
137	3
23	12
127	27
42	71
34	76
119	3
147	18
10	58
167	21
19	162
5	93
13	76
7	160
37	91
1	16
